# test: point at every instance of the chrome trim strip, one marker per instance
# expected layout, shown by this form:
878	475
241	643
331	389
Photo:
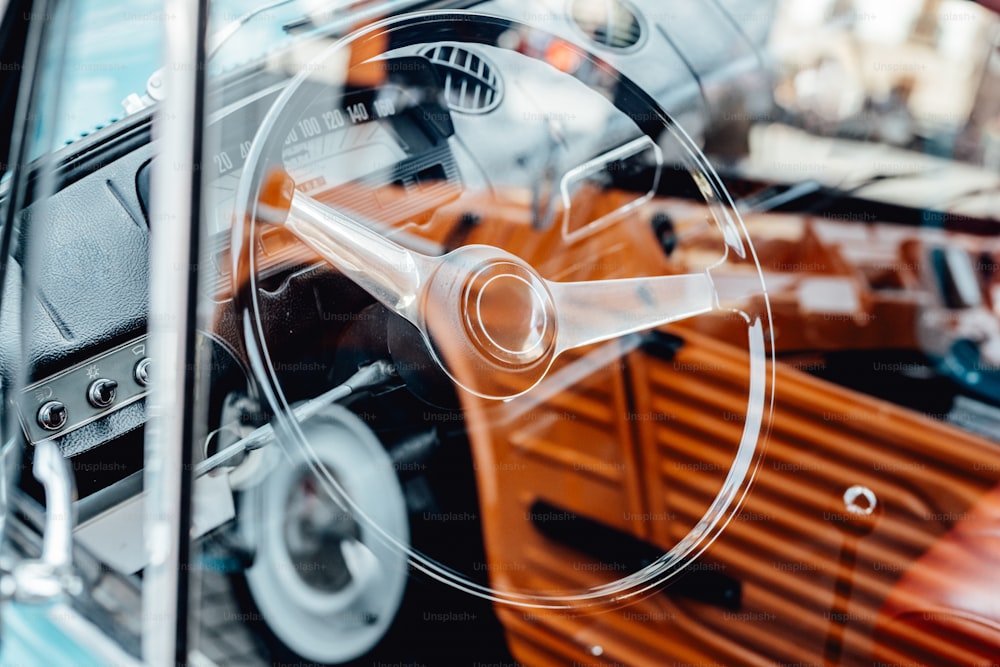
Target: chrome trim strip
174	271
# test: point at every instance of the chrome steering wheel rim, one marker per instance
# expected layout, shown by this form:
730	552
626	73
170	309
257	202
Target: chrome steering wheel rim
476	27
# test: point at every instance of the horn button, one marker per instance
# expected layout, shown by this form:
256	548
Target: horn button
509	314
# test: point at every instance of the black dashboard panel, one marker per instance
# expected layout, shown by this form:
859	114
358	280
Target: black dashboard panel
93	245
90	245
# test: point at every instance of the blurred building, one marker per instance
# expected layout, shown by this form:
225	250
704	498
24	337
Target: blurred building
903	72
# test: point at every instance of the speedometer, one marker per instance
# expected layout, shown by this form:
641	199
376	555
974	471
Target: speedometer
328	161
392	140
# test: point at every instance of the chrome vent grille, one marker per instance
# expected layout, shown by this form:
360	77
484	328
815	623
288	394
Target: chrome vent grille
471	83
610	23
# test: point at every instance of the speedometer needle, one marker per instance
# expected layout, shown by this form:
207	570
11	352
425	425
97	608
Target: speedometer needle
493	323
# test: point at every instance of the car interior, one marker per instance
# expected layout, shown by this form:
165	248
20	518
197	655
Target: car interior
557	333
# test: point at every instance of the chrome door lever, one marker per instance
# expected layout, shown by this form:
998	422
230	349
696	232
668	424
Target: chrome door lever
52	575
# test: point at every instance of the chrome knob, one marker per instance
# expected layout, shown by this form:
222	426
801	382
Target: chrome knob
141	372
102	392
52	415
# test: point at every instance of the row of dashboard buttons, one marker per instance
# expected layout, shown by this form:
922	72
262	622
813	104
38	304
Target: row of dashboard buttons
85	392
101	394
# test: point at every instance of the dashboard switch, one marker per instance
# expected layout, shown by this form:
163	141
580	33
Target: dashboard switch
90	390
141	372
102	393
52	416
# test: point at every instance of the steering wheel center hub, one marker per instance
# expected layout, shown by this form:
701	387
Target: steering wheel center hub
512	314
509	314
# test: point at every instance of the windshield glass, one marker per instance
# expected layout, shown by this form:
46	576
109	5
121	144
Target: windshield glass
883	102
115	48
484	332
888	92
528	276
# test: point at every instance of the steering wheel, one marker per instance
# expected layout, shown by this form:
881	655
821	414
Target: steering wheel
493	322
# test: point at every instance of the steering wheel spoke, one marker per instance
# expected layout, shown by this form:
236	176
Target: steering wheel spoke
591	312
391	273
481	308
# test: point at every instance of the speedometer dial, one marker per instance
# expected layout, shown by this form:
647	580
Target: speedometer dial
340	157
393	140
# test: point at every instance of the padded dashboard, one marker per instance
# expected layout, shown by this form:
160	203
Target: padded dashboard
88	247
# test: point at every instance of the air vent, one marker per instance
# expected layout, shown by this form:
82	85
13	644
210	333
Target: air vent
471	83
610	23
